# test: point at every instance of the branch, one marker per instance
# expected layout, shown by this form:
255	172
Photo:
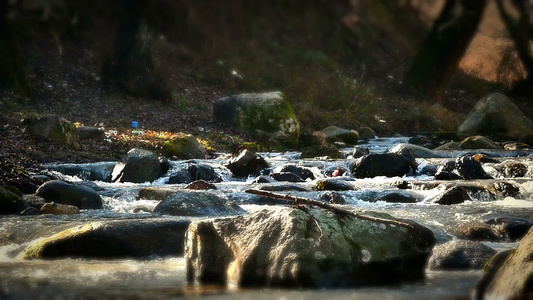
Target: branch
298	200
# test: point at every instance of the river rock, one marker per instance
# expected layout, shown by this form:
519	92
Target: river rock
100	171
203	172
51	127
283	188
266	116
479	142
303	172
286	176
293	248
180	176
66	193
416	151
164	165
469	168
154	193
197	203
448	146
460	254
366	133
454	195
359	151
184	146
137	166
90	133
200	185
331	152
512	228
33	201
113	239
337	134
510	279
446	171
246	163
330	184
332	198
388	164
497	117
10	203
396	196
59	209
477	232
514	169
502	189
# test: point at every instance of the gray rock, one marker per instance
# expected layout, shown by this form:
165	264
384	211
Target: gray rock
372	165
337	134
137	166
460	254
497	117
366	133
453	195
71	194
200	203
246	163
293	248
263	115
90	133
51	127
417	151
479	142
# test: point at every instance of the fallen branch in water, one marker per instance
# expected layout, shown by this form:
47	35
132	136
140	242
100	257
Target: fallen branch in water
301	200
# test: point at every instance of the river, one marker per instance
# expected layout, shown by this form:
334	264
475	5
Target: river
164	277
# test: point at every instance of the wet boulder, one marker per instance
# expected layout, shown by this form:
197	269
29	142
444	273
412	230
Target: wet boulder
66	193
366	133
10	203
268	116
100	171
477	232
460	255
184	146
286	176
154	193
303	172
509	274
330	184
337	134
396	196
447	171
180	176
200	185
388	164
292	248
511	228
332	198
497	117
331	152
51	127
137	166
245	164
416	151
203	172
197	203
479	142
515	169
135	238
469	168
453	195
59	209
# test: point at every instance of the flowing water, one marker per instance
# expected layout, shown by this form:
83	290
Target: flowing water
164	277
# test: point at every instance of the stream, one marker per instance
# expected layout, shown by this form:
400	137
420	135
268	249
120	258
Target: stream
164	277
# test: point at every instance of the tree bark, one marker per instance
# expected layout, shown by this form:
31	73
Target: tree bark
12	70
442	50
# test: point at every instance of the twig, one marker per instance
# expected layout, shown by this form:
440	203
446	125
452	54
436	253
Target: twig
297	200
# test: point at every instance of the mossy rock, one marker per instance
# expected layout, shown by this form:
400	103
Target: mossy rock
184	147
266	116
51	127
10	203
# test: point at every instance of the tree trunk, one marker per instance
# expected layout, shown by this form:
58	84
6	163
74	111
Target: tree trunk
12	71
440	54
132	66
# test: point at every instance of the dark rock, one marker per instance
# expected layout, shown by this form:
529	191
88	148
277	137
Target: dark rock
469	168
337	134
283	188
90	133
515	169
454	195
200	185
286	176
181	176
199	203
333	185
10	203
303	172
396	197
360	151
502	189
373	165
95	172
460	255
428	170
246	163
203	172
114	239
263	179
321	151
30	211
512	228
59	209
164	165
319	249
34	201
67	193
478	142
154	193
477	232
366	133
332	198
137	166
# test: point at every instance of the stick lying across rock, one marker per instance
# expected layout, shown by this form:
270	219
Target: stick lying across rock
301	200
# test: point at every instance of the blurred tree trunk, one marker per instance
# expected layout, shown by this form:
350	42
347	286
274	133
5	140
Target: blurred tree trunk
440	53
132	66
12	69
521	31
